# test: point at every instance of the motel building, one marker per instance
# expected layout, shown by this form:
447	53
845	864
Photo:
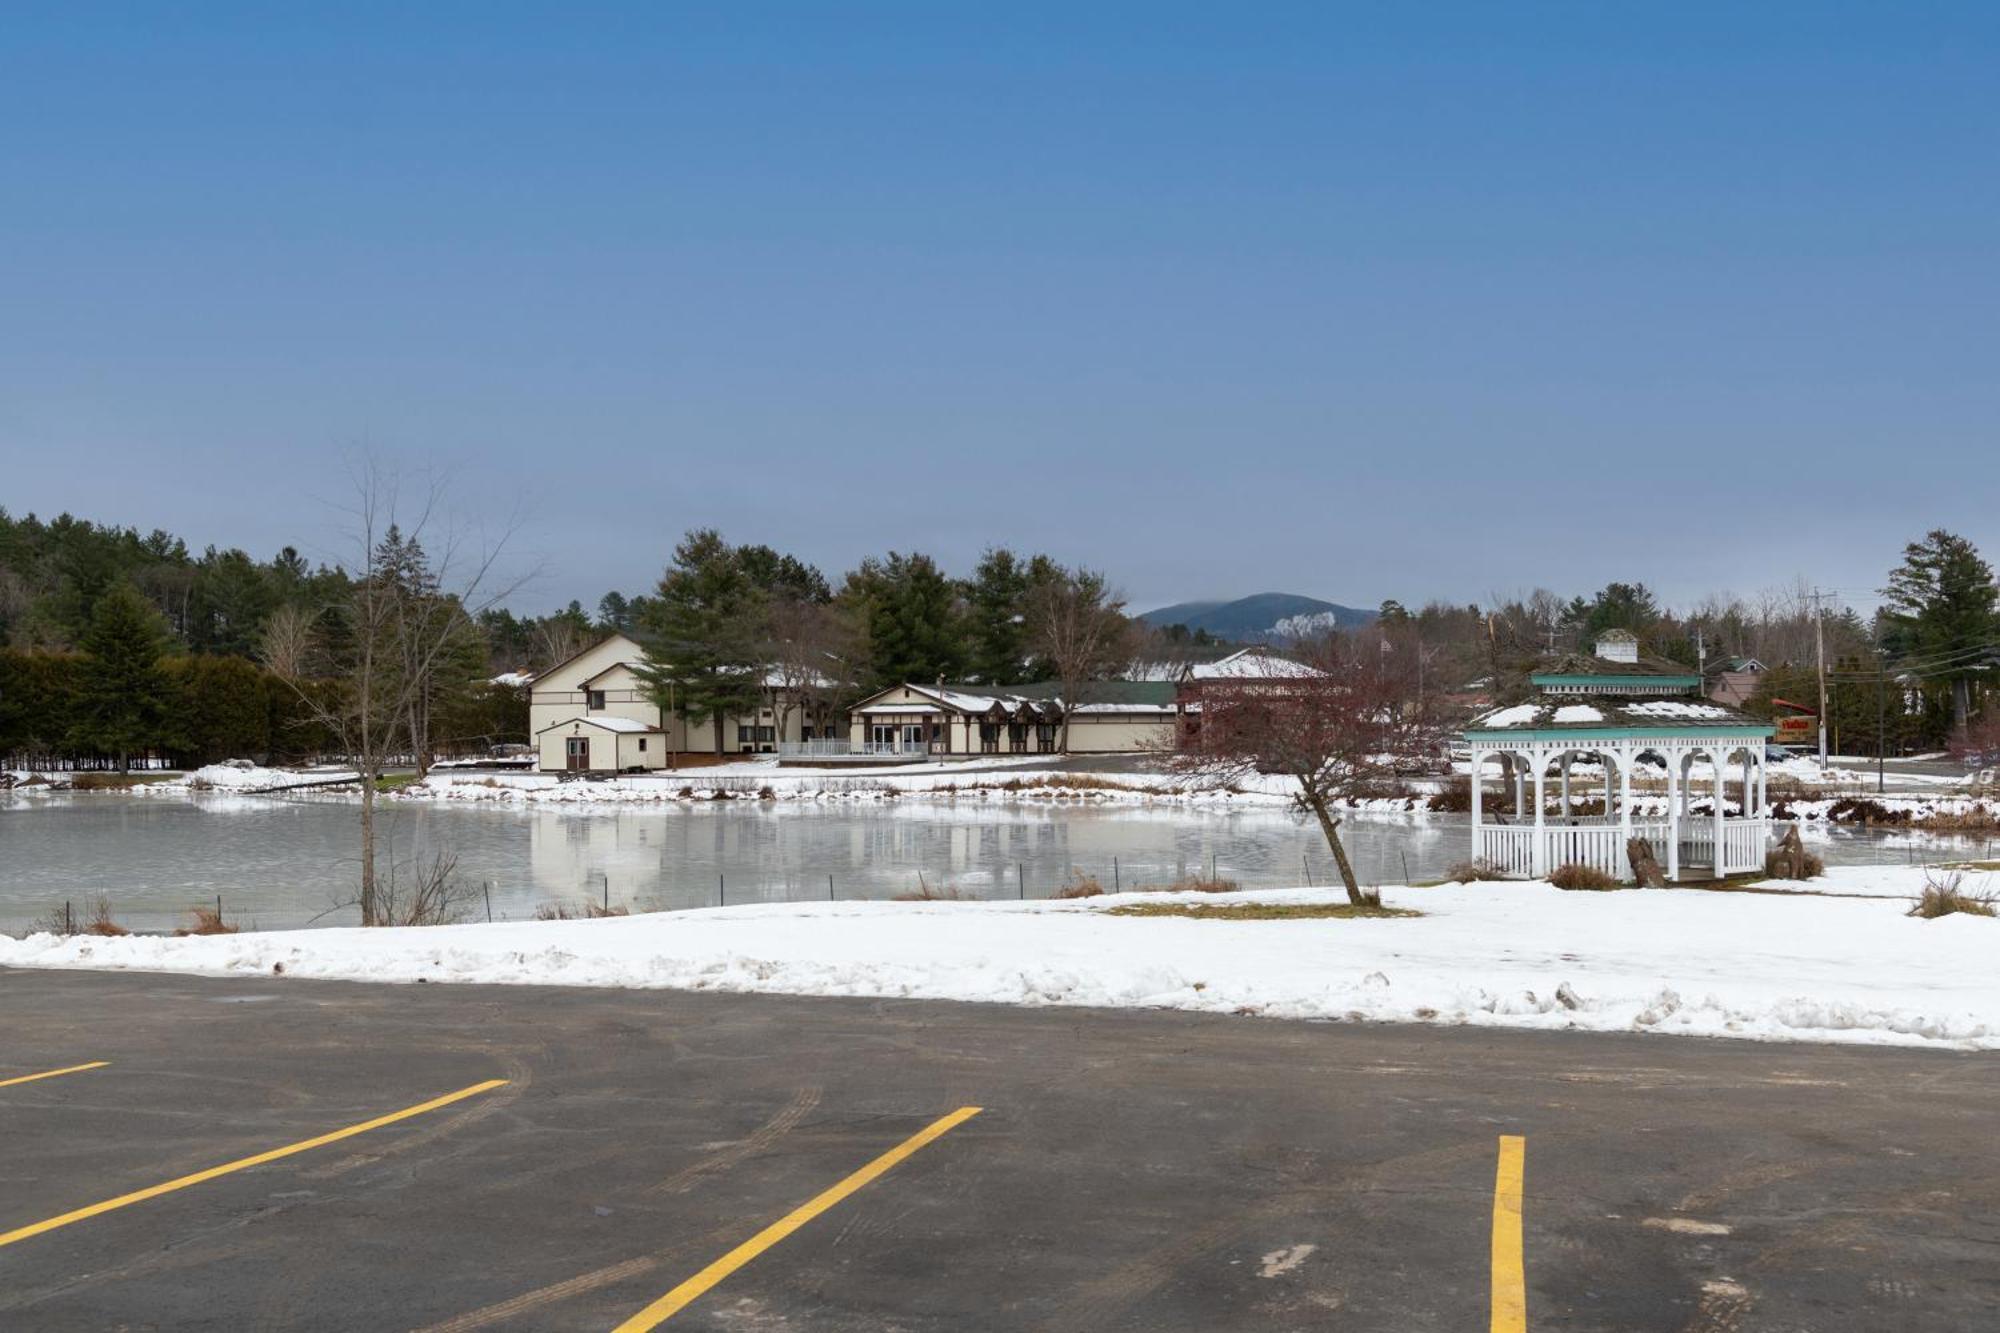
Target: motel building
591	714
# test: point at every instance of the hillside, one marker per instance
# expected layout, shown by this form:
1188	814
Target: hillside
1259	617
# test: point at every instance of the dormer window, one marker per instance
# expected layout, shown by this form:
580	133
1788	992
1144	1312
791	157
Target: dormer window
593	700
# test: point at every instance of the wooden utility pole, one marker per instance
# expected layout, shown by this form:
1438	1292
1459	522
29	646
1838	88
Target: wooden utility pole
1819	652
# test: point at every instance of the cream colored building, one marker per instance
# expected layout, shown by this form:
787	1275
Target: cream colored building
966	721
592	714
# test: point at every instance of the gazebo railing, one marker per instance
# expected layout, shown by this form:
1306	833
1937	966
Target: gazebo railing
1601	843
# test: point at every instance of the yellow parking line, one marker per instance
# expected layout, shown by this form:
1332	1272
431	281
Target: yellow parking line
691	1290
52	1073
168	1187
1510	1294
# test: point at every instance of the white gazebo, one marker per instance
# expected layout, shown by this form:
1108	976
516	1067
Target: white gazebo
1618	717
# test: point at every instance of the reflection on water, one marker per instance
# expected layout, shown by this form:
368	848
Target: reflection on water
290	862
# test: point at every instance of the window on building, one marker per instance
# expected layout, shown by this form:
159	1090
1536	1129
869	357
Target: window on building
593	699
642	745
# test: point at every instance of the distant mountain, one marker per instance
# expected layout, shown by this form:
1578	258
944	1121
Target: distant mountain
1263	617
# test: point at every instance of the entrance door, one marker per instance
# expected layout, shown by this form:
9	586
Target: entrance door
576	751
913	738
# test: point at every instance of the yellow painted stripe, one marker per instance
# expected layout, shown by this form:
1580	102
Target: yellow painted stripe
692	1290
244	1163
1510	1291
52	1073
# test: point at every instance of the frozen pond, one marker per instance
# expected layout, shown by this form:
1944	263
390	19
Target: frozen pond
286	862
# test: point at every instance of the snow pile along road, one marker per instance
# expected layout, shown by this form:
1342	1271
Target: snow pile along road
1513	955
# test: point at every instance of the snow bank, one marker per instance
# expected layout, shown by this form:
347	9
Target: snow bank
1507	955
246	777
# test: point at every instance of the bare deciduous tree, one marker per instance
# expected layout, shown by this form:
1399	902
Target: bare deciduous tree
1334	726
403	614
812	651
287	642
1077	627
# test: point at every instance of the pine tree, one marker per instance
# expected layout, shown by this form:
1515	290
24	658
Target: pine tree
995	630
913	623
703	633
1940	610
124	705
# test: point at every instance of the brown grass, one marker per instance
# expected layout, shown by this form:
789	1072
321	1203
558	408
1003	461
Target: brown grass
1945	895
1192	884
1778	865
1583	877
1261	911
1474	872
1081	886
583	911
1056	782
924	893
99	921
1455	798
207	921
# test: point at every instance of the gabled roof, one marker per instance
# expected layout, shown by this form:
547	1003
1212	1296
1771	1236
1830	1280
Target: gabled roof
605	722
1577	666
1037	698
1250	664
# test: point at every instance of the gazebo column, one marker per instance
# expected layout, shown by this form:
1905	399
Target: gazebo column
1567	756
1478	803
1674	788
1626	758
1520	786
1538	863
1720	761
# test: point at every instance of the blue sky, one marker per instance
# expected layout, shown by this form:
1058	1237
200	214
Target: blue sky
1353	300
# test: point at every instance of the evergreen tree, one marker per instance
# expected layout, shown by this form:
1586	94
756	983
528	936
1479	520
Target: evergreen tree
914	623
996	632
124	705
1940	613
702	635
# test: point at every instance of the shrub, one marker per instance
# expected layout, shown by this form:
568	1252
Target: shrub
1578	876
1455	798
100	922
1944	896
1471	872
207	921
924	893
1081	886
1781	863
585	911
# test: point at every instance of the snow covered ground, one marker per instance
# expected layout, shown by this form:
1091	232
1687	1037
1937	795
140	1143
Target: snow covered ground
1767	966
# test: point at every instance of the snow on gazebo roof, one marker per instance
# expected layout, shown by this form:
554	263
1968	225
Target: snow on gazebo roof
1611	717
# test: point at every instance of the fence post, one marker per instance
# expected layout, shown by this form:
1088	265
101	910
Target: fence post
1116	884
721	890
1021	874
1305	863
486	888
829	888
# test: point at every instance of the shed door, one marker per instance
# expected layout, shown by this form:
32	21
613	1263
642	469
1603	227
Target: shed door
577	752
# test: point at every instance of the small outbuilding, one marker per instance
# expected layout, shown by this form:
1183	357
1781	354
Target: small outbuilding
1603	733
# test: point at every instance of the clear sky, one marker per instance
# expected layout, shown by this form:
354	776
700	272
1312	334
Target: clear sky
1359	301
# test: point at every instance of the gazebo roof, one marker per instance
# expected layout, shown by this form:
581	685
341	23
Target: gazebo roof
1611	717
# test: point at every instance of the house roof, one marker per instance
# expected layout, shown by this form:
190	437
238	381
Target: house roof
1251	664
1579	665
1104	696
623	725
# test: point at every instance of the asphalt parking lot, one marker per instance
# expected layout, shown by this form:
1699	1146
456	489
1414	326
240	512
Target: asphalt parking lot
245	1154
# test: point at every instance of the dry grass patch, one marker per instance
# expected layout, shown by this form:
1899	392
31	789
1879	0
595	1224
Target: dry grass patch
207	921
924	893
1260	911
1578	876
1193	884
1081	886
1945	895
1474	872
585	911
